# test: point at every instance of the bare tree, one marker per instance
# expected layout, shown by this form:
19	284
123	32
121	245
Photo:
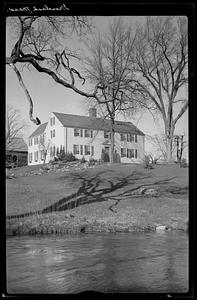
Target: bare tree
14	126
161	70
44	146
181	144
160	145
109	63
38	45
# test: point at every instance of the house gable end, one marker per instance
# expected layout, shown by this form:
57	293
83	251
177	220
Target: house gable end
40	130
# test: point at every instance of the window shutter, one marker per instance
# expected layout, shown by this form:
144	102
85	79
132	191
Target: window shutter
135	138
92	150
135	153
132	153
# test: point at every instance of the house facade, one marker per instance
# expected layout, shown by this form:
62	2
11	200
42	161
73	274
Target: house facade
84	137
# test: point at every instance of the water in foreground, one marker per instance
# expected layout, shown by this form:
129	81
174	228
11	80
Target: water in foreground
155	262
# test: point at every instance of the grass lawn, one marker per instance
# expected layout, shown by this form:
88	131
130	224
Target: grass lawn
101	195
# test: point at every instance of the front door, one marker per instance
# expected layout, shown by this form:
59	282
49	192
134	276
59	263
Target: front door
107	150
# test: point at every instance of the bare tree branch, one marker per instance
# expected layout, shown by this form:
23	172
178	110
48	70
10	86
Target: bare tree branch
36	121
14	126
183	109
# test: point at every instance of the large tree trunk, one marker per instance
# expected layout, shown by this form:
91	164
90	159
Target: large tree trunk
112	146
112	142
169	141
169	132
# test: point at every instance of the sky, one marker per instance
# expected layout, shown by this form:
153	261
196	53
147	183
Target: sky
48	96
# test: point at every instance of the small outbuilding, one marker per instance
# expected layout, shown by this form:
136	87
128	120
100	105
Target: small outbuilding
17	153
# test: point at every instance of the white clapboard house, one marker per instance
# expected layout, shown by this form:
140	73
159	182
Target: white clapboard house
84	136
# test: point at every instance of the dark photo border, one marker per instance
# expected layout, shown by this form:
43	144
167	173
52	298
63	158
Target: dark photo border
14	8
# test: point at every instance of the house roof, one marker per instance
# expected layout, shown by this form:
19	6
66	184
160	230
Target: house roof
76	121
39	130
18	144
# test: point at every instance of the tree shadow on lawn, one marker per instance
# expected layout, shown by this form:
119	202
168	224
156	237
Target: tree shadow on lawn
98	188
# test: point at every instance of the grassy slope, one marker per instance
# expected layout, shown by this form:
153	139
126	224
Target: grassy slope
104	196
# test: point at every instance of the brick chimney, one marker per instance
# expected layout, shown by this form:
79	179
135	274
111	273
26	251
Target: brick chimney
92	112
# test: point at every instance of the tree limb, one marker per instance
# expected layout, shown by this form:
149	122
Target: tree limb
183	109
36	121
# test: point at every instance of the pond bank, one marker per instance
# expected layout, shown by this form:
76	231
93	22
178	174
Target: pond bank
25	228
98	217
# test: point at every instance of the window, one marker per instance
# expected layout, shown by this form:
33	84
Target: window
92	150
53	132
36	141
53	150
88	133
136	152
42	139
123	152
30	157
131	153
81	148
76	132
42	154
130	137
123	136
87	150
75	149
106	135
135	138
36	156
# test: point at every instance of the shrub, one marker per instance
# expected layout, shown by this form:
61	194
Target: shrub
83	160
66	156
183	163
45	167
92	161
104	156
117	157
57	152
146	163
